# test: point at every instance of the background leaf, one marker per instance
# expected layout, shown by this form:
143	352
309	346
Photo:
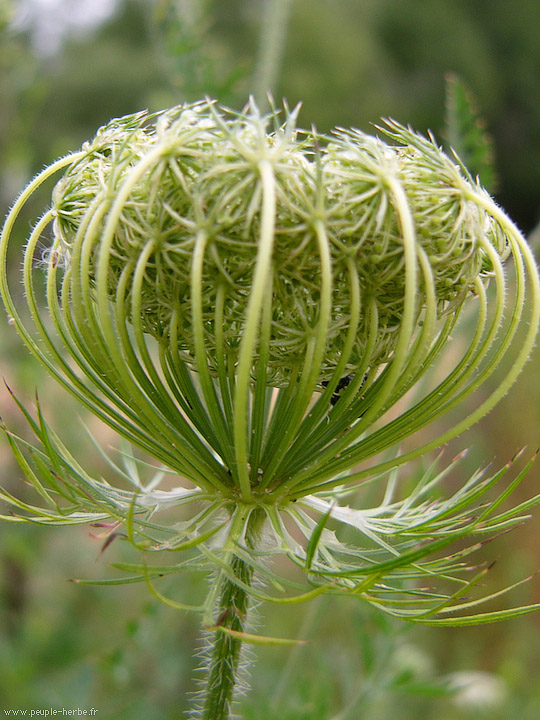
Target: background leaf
465	132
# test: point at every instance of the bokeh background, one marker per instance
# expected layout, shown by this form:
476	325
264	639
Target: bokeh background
67	67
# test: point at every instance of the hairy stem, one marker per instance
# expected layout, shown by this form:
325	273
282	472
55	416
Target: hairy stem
225	658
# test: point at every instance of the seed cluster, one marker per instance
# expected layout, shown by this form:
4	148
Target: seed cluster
192	177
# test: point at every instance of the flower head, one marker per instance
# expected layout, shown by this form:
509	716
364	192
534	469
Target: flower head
191	185
213	278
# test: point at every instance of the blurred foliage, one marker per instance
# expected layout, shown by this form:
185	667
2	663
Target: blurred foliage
466	133
349	62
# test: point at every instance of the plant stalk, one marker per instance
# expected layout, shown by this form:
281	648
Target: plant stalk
225	659
272	43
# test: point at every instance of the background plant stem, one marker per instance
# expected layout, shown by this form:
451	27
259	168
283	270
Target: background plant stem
271	46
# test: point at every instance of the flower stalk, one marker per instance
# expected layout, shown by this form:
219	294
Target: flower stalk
226	661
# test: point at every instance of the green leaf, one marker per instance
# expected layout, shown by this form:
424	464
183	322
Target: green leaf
465	132
481	618
316	536
256	639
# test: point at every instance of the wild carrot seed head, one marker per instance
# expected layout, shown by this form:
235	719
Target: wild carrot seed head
194	173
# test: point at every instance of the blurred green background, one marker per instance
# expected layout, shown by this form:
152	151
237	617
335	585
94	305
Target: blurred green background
68	66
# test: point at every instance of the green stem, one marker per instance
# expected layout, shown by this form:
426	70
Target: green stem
258	295
225	652
272	44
